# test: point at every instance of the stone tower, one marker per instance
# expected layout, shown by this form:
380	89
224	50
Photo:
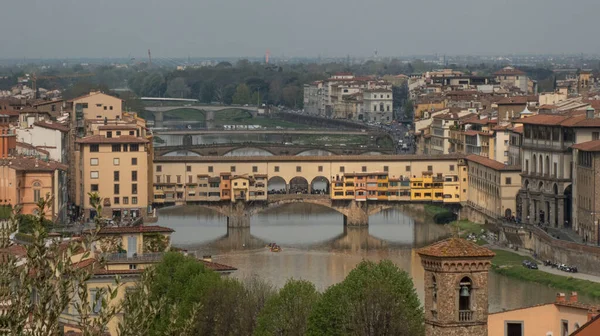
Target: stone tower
456	288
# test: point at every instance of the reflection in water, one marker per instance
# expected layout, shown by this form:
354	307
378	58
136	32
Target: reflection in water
317	247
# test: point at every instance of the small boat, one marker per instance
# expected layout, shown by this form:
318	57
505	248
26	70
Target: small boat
275	248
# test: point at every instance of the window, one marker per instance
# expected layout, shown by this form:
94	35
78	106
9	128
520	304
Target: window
276	169
408	168
94	148
132	266
134	175
134	188
564	329
188	168
134	148
190	179
134	200
254	169
168	178
94	174
134	161
93	162
179	179
320	169
513	328
298	169
429	168
232	169
451	167
116	161
116	176
96	299
124	147
36	195
342	169
158	169
105	108
119	133
210	169
505	153
131	133
386	168
157	178
116	189
595	135
110	108
94	187
508	180
116	148
109	134
116	200
364	169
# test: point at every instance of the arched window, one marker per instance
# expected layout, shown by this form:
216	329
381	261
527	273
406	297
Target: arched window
37	191
547	165
534	168
434	292
465	291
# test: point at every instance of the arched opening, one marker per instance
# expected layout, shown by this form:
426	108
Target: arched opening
276	185
248	151
371	153
541	171
319	185
508	213
547	165
182	153
299	185
541	186
381	107
519	205
465	291
526	184
360	117
37	191
567	205
315	152
534	166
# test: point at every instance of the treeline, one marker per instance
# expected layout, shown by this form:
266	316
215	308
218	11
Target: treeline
374	299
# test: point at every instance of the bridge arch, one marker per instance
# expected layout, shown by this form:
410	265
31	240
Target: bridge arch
249	151
371	153
315	152
319	185
299	185
276	185
184	152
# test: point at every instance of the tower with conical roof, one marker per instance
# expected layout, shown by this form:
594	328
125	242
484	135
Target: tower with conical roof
456	287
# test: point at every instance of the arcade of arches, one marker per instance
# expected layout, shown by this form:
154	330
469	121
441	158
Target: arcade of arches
546	202
298	185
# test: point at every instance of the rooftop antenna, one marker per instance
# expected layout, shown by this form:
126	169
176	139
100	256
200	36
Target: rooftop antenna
149	58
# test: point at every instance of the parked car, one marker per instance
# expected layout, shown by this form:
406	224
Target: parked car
530	264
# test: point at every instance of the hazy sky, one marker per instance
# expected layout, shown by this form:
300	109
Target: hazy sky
178	28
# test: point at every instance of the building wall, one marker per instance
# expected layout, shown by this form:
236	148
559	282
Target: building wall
587	195
105	168
373	101
100	105
489	191
540	320
501	145
51	140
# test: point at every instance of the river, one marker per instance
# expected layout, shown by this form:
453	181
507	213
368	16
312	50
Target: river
317	247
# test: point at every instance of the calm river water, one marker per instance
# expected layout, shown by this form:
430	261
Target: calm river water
317	247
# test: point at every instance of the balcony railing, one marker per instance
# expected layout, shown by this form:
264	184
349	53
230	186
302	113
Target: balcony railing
118	257
465	315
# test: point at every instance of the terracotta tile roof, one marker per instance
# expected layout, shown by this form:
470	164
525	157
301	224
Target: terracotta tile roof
545	119
509	71
49	102
548	107
9	113
455	248
518	129
217	267
117	272
55	126
589	146
15	250
85	263
32	164
595	322
517	100
100	139
496	165
135	229
92	94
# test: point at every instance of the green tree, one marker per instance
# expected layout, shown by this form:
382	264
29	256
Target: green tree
207	92
242	94
374	299
177	88
287	312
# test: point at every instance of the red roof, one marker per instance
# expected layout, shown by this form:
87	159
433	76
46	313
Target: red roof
55	126
32	164
135	229
217	267
493	164
564	120
455	248
100	139
589	146
517	100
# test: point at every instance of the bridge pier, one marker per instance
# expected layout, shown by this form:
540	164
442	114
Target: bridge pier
210	119
158	119
356	214
238	215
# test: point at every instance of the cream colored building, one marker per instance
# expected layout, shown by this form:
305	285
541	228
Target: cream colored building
377	105
559	318
493	187
98	105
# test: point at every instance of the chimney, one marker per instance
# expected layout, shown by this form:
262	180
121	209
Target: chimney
207	258
560	297
573	298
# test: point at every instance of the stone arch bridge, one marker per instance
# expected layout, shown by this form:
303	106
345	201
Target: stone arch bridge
239	213
209	110
265	148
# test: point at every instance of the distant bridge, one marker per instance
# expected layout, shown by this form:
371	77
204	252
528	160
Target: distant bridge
209	109
237	149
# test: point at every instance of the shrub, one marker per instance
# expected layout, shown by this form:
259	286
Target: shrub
444	217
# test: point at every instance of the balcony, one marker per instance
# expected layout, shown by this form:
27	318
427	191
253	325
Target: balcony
122	257
465	315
